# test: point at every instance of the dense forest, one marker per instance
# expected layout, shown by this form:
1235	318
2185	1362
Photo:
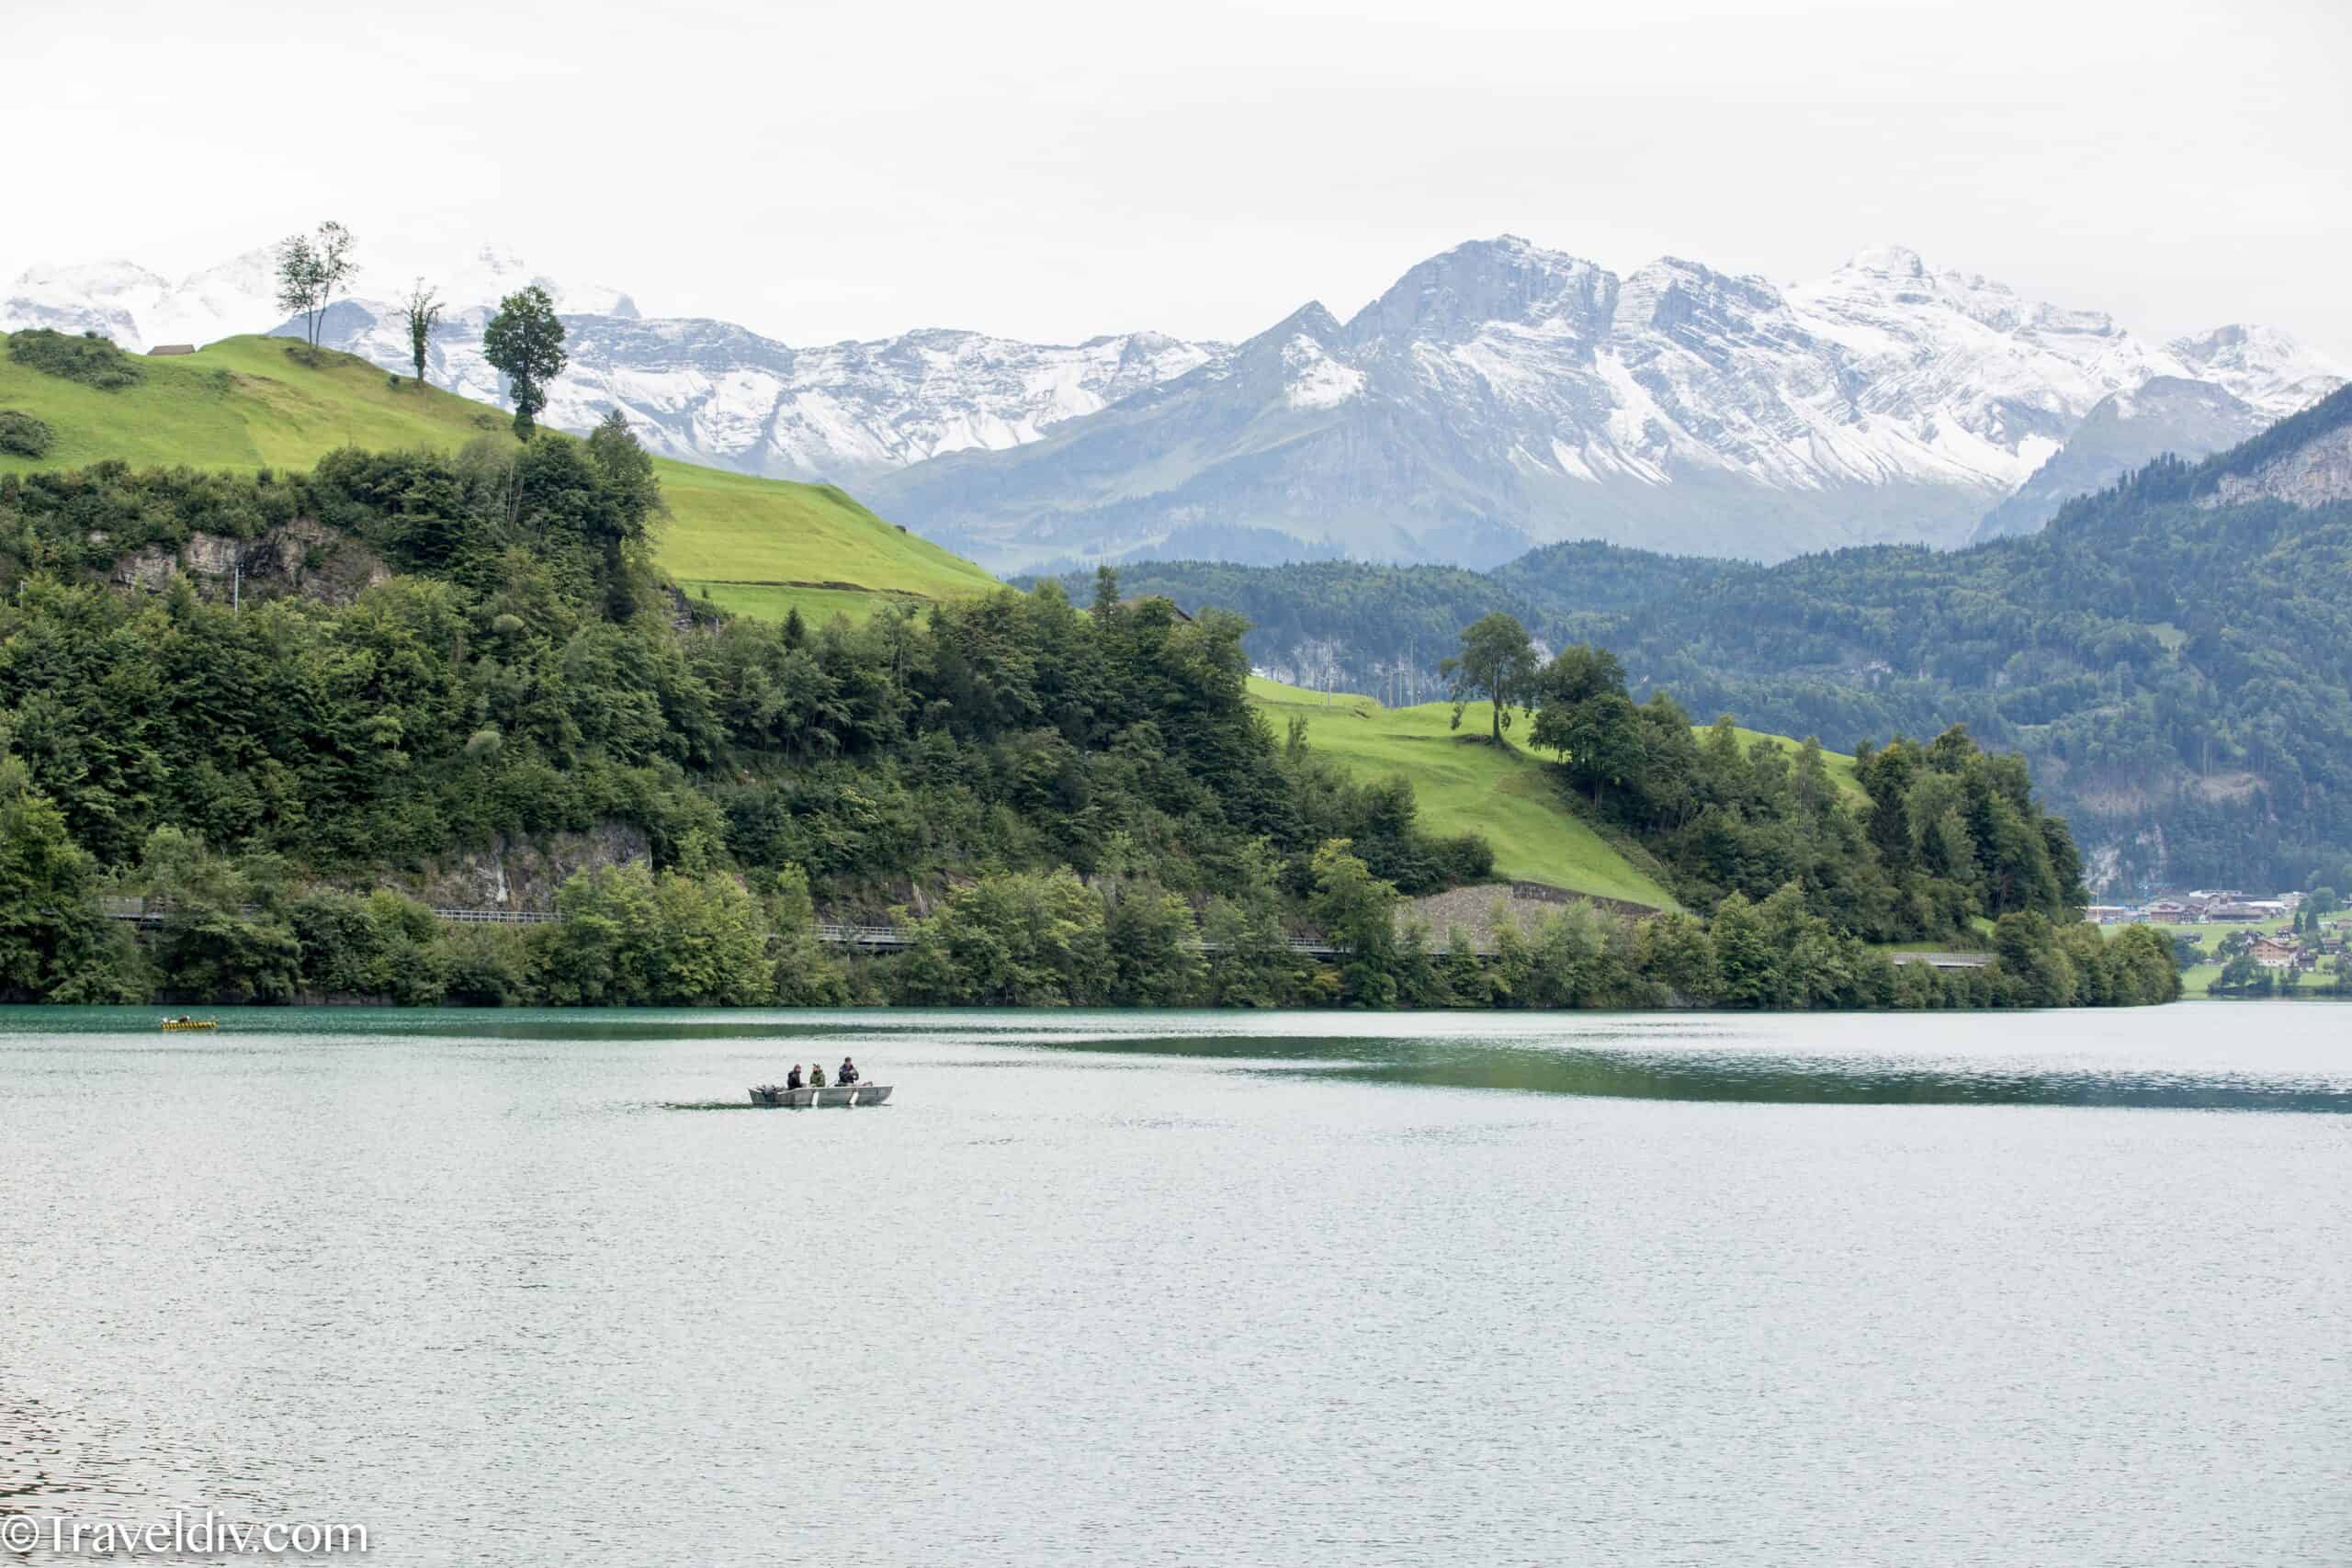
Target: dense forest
1061	803
2178	673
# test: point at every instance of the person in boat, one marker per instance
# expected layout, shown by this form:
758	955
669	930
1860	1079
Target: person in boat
792	1079
816	1077
848	1075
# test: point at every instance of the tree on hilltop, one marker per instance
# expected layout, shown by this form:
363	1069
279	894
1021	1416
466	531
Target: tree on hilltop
525	341
1498	663
309	269
421	311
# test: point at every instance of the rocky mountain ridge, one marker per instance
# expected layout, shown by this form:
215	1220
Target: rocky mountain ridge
1501	396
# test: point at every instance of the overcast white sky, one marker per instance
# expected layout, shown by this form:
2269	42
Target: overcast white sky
1053	171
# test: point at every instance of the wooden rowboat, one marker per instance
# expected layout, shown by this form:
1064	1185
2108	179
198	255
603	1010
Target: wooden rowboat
771	1097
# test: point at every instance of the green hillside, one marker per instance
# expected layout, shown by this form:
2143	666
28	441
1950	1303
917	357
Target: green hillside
1465	785
761	547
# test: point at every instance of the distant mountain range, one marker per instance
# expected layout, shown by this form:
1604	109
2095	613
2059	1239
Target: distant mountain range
1499	396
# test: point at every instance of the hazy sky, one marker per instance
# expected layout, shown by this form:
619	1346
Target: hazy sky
825	171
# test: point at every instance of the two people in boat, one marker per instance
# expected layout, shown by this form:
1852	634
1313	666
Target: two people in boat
816	1078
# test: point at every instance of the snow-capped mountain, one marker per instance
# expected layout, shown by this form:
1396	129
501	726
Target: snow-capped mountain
1498	395
712	393
1501	395
139	309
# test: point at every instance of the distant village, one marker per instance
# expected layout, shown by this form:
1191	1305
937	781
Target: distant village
2287	931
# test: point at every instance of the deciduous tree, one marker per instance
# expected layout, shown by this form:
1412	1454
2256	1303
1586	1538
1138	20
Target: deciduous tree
309	269
525	341
1498	663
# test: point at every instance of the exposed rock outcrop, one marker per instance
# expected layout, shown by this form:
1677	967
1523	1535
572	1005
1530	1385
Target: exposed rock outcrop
521	873
2317	472
301	557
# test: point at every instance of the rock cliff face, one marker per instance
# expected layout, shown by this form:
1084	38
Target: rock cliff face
301	557
2314	474
522	874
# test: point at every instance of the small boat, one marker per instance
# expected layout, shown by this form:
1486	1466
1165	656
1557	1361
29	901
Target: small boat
175	1025
775	1097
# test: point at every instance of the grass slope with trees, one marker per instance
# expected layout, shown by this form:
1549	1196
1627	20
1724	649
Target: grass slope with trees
763	547
1466	786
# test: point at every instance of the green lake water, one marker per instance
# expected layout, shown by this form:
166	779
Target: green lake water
1304	1289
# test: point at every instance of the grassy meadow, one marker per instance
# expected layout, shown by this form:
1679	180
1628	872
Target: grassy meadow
763	547
1464	785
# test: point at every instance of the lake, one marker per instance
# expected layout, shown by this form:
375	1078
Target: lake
1303	1289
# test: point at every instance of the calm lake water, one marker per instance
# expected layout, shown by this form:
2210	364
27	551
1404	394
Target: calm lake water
529	1288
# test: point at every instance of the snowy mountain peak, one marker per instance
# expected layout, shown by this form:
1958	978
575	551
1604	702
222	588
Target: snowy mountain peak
2261	364
107	297
494	271
98	277
1672	294
1453	296
1312	319
1887	261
